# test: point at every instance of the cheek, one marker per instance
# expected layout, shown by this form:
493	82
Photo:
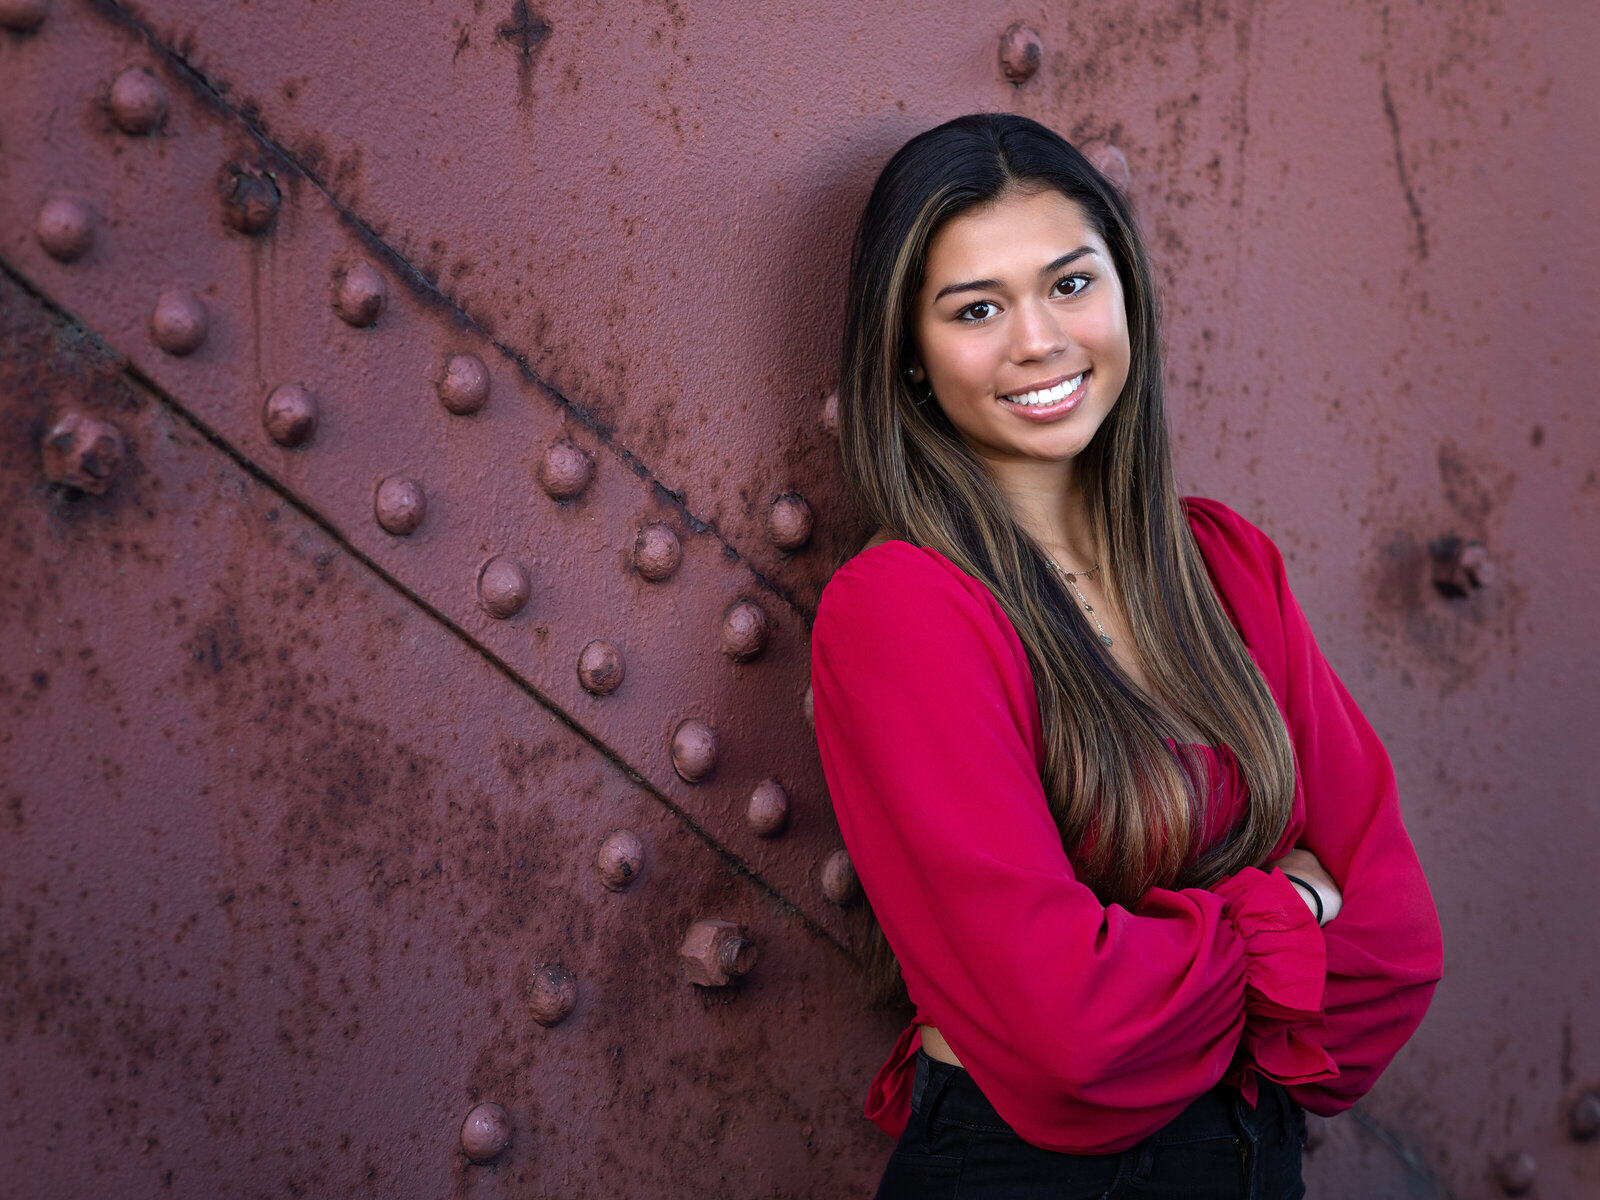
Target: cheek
1109	335
972	366
956	364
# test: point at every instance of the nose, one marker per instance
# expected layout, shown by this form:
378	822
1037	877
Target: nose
1037	333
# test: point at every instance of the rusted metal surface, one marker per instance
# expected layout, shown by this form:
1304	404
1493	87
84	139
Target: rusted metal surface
571	274
297	880
310	347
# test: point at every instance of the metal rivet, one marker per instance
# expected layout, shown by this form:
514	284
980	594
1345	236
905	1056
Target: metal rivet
621	859
503	586
830	413
485	1133
744	630
694	750
1109	161
179	322
464	386
714	952
552	993
789	522
656	552
250	198
82	452
138	101
65	228
768	813
23	16
290	414
1517	1172
359	295
1460	567
400	504
600	669
1584	1119
565	471
839	882
1021	51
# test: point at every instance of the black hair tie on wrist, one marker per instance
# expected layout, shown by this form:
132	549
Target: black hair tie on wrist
1315	895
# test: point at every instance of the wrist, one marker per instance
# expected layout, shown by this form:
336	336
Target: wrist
1313	897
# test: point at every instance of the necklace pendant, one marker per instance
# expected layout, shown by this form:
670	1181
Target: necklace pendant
1106	638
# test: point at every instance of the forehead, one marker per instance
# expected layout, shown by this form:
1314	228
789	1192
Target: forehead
1014	236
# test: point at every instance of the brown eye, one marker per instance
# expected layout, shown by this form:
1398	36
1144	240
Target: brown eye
972	311
1072	283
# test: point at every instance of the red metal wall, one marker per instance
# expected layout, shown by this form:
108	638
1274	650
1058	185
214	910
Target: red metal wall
305	817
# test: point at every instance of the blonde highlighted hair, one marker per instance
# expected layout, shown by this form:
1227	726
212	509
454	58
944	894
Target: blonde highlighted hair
1130	810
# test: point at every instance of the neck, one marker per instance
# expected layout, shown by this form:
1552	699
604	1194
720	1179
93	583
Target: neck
1048	503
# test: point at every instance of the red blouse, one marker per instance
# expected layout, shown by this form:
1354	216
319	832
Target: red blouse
1088	1027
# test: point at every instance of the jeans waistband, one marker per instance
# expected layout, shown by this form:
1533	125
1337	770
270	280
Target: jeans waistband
960	1100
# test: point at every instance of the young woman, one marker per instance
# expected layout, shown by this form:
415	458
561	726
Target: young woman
1137	854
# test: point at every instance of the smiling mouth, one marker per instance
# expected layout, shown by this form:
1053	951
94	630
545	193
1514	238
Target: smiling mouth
1045	397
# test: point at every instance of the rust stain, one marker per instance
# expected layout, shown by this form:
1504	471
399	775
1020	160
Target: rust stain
1449	642
1475	488
525	32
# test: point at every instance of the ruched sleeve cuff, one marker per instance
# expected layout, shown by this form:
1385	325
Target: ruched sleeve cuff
1286	972
1281	1051
1285	957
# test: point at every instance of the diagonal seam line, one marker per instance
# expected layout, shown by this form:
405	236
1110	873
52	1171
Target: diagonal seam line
495	662
431	293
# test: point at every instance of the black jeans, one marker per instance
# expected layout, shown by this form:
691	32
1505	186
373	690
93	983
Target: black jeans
1218	1148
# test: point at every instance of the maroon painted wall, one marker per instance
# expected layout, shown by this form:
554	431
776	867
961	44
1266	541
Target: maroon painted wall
298	830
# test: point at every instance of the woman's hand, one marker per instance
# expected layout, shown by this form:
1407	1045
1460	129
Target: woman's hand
1305	865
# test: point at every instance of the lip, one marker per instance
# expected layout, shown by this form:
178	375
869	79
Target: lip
1065	405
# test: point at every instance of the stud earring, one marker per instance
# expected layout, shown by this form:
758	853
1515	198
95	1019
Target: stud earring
911	378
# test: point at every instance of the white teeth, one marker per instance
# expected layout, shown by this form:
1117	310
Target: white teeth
1050	395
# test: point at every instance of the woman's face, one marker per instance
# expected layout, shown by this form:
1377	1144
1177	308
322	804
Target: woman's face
1020	328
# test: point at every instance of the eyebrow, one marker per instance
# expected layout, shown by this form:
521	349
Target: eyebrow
984	285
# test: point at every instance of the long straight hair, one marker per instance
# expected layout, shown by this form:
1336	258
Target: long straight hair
1126	790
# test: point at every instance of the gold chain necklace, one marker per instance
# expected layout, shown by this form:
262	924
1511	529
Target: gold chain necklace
1072	582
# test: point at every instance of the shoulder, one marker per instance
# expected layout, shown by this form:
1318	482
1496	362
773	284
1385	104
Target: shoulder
1248	574
895	593
901	627
1236	553
900	579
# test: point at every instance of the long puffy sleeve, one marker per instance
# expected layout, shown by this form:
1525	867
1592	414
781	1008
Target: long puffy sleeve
1087	1026
1384	948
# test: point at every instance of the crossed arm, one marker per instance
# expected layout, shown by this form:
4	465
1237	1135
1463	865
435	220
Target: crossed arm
1088	1026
